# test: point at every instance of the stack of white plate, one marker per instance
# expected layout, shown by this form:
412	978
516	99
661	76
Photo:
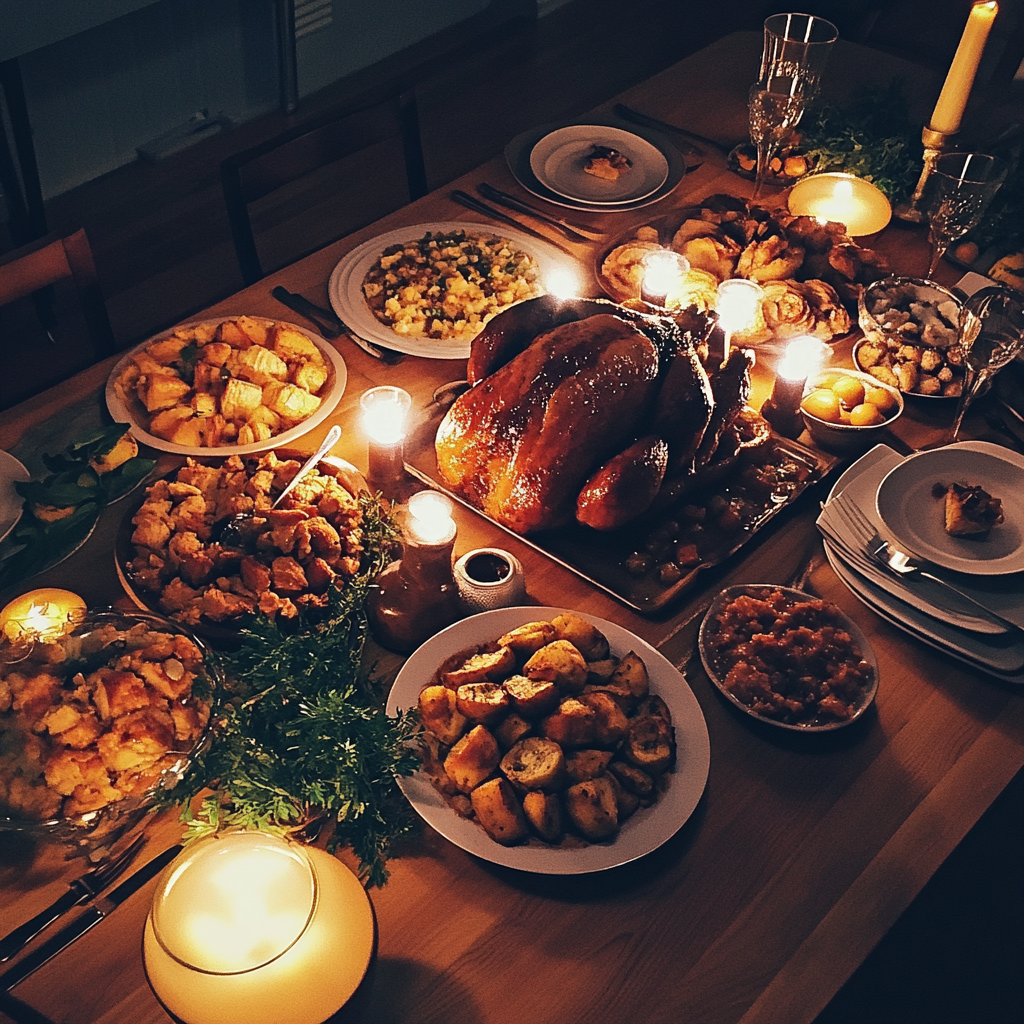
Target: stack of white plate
549	160
896	495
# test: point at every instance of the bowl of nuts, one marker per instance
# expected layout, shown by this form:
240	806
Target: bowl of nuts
845	410
910	342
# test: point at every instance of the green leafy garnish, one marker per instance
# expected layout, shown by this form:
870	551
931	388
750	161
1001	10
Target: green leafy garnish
303	732
874	139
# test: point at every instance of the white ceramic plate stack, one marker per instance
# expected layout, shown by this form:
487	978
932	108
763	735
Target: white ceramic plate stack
895	493
548	161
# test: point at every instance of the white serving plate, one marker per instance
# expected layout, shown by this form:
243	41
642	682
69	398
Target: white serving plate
122	407
345	287
11	502
648	827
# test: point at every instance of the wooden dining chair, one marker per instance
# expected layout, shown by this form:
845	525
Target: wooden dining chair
51	260
299	153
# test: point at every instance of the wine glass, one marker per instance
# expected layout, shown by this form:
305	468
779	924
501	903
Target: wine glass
961	187
796	48
991	334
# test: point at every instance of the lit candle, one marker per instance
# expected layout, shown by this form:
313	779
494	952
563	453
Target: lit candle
247	928
384	415
950	106
562	283
844	198
803	356
46	613
663	272
430	518
737	304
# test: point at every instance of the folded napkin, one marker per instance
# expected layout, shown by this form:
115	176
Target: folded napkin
929	609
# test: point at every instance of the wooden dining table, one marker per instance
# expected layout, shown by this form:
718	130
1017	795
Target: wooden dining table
803	850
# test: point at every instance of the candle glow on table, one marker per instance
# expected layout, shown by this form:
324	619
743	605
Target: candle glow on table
803	357
247	928
949	109
384	413
430	518
663	271
46	613
737	304
851	201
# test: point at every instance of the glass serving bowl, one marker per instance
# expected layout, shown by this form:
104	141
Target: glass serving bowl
114	711
899	315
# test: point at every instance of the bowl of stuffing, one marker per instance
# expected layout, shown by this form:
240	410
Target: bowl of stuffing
94	723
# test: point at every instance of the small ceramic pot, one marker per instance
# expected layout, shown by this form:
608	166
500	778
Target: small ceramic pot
490	578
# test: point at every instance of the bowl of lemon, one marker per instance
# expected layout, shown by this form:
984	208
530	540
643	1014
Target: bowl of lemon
846	410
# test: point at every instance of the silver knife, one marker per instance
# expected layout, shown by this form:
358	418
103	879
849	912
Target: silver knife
472	203
515	203
87	921
646	121
331	325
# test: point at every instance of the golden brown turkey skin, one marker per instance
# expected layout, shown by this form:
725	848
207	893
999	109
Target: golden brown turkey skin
624	487
521	443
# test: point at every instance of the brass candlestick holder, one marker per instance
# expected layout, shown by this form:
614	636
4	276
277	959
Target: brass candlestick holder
935	144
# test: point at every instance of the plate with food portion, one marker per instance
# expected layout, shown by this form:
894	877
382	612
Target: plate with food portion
234	385
959	509
788	658
173	554
429	289
598	164
488	777
520	150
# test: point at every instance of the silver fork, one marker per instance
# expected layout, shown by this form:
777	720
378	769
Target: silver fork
81	890
897	563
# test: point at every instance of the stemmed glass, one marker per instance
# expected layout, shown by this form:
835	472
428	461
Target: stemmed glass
961	186
991	334
796	49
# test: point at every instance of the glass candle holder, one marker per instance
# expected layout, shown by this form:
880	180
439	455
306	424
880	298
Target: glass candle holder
249	928
385	410
417	596
45	614
737	305
844	198
663	273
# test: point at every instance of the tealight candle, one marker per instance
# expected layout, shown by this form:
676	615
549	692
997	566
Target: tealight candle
46	613
248	928
844	198
737	305
384	413
430	518
663	270
803	357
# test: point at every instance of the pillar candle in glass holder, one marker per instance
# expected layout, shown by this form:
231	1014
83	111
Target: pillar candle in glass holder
844	198
737	306
249	928
949	110
802	358
384	413
663	273
46	613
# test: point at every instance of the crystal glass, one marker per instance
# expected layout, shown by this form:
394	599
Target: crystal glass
991	334
796	49
959	190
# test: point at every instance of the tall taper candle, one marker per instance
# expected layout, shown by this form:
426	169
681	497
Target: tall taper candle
950	107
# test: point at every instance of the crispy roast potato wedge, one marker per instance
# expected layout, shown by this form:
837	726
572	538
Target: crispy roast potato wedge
531	698
482	702
558	662
472	759
439	714
535	763
583	635
544	813
498	809
592	807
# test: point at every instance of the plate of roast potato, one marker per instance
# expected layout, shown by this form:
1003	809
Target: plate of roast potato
554	741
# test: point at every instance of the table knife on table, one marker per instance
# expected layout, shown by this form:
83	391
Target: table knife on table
87	921
331	325
646	121
472	203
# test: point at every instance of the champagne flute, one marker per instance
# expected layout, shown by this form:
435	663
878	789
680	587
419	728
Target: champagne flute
991	334
961	187
796	49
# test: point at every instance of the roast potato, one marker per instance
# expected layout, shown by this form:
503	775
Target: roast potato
481	702
572	725
439	714
472	759
583	635
544	813
531	697
649	744
524	640
498	810
558	662
481	668
582	765
510	730
534	763
592	807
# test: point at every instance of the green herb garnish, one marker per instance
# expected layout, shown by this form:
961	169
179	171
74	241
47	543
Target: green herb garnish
303	732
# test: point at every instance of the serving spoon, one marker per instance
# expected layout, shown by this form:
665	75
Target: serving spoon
231	535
